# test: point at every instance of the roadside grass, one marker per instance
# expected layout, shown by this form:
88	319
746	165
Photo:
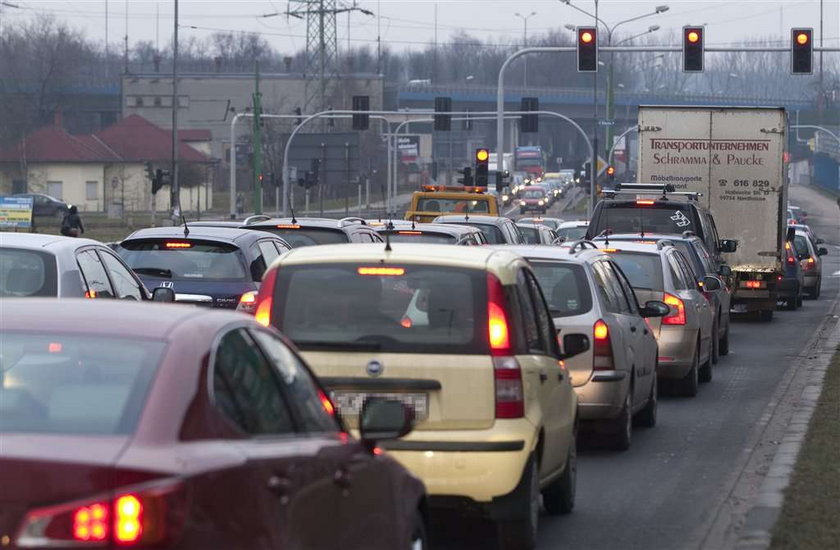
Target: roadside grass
810	517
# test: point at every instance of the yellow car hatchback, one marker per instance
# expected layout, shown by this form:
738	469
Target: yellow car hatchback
464	336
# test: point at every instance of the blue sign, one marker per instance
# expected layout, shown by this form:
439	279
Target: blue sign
16	212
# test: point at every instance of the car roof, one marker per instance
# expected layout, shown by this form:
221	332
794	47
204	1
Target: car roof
574	223
449	228
625	237
456	218
43	241
224	234
309	222
544	252
103	318
498	261
627	246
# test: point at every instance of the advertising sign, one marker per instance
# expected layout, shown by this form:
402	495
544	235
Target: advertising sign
16	212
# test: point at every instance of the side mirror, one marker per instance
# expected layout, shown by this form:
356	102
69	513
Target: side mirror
822	251
728	246
574	344
383	419
162	294
725	271
711	284
655	308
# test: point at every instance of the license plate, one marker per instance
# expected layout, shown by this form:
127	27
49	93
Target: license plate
350	403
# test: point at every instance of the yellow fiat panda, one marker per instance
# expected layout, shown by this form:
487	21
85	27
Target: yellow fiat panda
463	336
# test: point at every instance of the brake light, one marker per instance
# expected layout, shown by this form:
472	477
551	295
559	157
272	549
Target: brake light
247	302
754	284
645	202
326	403
178	245
382	271
602	355
90	294
288	226
610	250
510	395
152	514
409	232
497	321
54	347
677	315
262	311
808	265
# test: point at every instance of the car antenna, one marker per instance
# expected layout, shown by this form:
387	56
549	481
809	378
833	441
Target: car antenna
388	239
414	222
642	222
183	218
292	207
467	211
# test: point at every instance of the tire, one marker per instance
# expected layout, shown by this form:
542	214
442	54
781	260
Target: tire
647	416
521	534
790	304
724	342
765	315
559	497
622	427
704	373
799	300
419	536
715	344
817	289
690	384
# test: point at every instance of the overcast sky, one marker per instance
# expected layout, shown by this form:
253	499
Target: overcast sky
411	23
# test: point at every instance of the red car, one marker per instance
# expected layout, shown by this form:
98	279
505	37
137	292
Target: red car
152	426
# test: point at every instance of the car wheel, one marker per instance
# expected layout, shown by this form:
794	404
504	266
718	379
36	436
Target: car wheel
715	344
690	384
559	497
521	534
623	425
647	416
799	300
724	342
704	373
817	288
419	538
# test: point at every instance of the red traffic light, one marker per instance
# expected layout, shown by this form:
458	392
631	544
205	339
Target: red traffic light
586	37
693	36
610	170
803	38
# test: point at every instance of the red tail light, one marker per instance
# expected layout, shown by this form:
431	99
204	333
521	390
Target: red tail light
677	315
602	354
510	394
153	514
808	265
262	309
497	320
248	302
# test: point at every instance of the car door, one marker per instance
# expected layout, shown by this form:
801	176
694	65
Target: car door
698	310
291	472
623	349
126	285
541	370
368	502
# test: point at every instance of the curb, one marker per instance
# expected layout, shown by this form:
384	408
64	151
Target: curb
757	531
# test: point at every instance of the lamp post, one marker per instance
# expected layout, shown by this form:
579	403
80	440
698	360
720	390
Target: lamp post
610	30
525	19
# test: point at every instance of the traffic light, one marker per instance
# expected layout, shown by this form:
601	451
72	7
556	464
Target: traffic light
467	179
587	49
161	178
611	173
482	160
443	120
361	103
530	123
586	176
693	49
802	51
502	180
315	172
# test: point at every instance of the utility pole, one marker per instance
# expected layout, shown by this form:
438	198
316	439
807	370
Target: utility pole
174	186
257	142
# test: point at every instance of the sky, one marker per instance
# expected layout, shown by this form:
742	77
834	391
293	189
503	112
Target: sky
410	24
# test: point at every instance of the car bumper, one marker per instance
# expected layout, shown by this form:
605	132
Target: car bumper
478	465
811	281
602	397
676	351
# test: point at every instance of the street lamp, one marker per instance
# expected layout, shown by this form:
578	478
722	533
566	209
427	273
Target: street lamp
610	31
525	19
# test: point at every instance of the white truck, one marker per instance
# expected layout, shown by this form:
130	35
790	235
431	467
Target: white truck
734	156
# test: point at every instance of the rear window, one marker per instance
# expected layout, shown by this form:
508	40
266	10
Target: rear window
694	261
27	273
308	236
532	236
411	309
565	288
800	243
572	233
185	259
664	219
492	232
420	237
643	270
70	384
434	204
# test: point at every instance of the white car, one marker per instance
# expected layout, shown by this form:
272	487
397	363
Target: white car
572	231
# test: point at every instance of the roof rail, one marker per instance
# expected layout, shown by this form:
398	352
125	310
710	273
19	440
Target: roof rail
582	243
663	243
351	220
255	219
664	190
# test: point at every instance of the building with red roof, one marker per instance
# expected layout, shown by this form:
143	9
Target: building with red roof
108	170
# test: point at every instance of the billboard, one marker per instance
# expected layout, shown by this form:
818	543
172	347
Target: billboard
16	212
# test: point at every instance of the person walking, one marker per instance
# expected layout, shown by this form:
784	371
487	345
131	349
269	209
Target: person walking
71	225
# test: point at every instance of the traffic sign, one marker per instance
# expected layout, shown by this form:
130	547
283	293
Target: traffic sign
16	212
606	123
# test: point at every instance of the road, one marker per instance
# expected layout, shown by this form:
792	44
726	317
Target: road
668	491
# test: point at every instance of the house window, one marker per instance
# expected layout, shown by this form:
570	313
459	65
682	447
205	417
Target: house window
138	101
54	189
158	101
130	101
92	190
183	101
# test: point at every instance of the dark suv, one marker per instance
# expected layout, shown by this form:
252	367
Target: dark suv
639	209
314	231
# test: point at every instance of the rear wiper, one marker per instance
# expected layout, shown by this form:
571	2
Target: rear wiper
154	271
555	312
349	346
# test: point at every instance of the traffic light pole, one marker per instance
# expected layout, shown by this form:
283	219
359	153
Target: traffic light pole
257	155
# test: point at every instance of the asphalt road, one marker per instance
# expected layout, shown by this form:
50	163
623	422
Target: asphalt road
667	491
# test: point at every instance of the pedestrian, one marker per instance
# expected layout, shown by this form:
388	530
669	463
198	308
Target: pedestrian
71	225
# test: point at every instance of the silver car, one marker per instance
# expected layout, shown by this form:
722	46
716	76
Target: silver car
615	379
810	258
685	336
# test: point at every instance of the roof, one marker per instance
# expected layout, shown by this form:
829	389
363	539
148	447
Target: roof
499	261
132	139
647	237
574	223
543	252
456	218
448	228
303	222
41	240
224	234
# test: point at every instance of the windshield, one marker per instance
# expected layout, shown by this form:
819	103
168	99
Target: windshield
420	237
534	193
454	205
182	259
569	234
309	236
643	270
27	273
403	309
70	384
565	287
664	219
